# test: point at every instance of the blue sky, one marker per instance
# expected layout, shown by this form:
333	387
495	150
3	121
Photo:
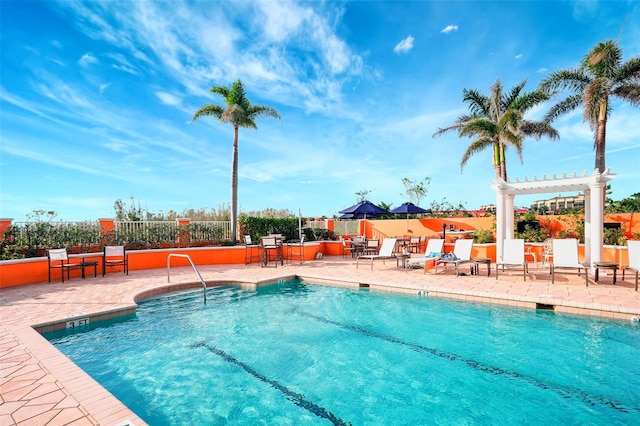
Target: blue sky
97	100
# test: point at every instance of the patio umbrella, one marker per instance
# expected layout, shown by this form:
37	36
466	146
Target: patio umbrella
407	209
364	209
358	216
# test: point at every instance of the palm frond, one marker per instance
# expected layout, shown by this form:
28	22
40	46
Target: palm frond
537	129
629	71
476	146
477	102
208	111
563	107
593	97
628	92
603	61
514	95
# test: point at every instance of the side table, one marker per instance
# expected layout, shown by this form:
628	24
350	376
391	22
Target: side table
481	260
87	264
606	265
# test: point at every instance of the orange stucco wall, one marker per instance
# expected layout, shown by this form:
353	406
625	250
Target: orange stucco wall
34	270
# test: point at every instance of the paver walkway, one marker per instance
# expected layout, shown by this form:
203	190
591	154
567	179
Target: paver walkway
40	386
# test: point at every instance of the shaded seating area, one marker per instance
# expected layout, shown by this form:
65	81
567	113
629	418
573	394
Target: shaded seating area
59	259
565	256
461	255
633	250
513	256
113	257
385	252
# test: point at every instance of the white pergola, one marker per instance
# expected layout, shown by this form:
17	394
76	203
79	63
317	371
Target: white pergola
593	188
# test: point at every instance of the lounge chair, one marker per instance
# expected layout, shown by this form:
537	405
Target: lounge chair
433	251
633	249
513	256
565	256
386	252
461	254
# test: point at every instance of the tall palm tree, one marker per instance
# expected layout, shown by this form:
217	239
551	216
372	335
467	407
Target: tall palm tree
239	112
601	75
497	121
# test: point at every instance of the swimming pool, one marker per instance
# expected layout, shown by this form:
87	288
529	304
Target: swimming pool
297	353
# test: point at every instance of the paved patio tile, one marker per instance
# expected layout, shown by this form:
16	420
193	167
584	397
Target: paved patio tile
39	385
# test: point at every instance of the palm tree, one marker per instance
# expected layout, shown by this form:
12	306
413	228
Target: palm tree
601	75
239	112
497	121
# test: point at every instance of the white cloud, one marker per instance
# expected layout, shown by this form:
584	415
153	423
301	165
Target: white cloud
103	87
542	70
87	59
518	56
168	99
449	28
405	45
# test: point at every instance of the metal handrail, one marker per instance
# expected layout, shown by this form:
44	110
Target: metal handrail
204	284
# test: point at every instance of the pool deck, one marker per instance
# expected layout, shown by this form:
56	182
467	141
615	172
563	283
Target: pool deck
40	386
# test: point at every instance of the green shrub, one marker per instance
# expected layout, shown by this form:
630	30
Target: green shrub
483	236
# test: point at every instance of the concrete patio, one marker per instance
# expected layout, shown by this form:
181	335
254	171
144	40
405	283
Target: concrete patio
40	386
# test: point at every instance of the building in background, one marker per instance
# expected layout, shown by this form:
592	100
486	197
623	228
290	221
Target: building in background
559	203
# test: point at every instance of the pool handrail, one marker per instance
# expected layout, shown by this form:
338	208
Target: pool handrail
186	256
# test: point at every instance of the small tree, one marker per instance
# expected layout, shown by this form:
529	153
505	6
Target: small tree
416	191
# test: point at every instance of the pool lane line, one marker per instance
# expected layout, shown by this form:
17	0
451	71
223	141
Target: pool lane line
564	390
295	397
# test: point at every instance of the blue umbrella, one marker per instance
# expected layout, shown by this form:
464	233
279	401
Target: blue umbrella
364	209
407	209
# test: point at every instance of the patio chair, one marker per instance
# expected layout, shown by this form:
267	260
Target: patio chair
347	248
547	251
461	255
372	246
60	255
249	249
513	256
633	250
114	256
414	245
385	252
295	250
271	248
565	256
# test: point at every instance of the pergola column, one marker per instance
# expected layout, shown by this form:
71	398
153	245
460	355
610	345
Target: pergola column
501	195
587	227
509	210
597	218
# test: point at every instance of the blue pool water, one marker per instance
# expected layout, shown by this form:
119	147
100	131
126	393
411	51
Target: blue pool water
296	353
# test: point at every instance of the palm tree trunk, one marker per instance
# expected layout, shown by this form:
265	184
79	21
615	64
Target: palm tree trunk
234	187
503	163
496	160
601	137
